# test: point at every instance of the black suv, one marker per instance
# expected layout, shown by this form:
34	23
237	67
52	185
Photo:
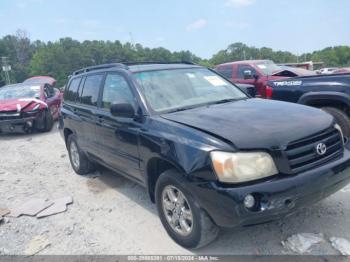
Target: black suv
209	155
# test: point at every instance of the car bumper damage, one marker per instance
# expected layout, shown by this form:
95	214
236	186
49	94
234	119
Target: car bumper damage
274	198
20	123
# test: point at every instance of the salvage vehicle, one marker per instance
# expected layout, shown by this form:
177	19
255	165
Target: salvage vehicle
328	92
257	73
209	156
27	107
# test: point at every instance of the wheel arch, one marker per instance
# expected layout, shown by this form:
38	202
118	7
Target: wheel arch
327	99
67	132
154	168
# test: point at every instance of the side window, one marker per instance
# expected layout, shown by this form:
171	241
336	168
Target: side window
242	68
116	90
71	92
89	95
226	71
49	91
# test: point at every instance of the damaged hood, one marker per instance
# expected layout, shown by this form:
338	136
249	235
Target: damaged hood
255	123
10	105
284	73
292	72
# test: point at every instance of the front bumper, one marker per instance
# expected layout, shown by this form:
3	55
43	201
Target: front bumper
16	125
279	196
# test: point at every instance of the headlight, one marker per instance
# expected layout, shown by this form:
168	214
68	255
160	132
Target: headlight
242	167
336	126
36	107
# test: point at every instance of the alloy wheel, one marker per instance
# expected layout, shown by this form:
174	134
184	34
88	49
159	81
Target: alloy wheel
177	210
75	155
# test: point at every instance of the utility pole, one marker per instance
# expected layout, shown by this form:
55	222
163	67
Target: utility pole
6	68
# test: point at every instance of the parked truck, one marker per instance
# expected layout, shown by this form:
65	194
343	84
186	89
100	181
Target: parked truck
330	93
258	73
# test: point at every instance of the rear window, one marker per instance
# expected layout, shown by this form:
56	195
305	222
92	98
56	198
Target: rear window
91	90
71	93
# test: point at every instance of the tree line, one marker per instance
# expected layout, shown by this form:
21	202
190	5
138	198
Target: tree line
62	57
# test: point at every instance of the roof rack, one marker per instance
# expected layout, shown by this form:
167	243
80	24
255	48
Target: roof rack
157	62
125	65
98	67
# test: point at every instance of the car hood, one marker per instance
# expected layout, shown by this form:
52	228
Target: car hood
255	123
7	105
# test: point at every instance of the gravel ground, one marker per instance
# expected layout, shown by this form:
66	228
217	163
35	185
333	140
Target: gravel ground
111	215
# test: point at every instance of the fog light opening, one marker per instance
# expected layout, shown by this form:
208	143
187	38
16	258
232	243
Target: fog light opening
249	201
289	203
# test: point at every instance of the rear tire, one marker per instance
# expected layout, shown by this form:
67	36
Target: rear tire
202	229
79	161
341	118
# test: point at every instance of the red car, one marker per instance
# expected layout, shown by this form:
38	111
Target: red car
258	73
26	107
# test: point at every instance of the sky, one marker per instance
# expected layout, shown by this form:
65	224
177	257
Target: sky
201	26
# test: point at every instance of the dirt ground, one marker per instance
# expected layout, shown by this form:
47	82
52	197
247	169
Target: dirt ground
111	215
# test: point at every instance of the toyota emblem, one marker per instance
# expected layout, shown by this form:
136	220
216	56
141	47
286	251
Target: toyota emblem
321	149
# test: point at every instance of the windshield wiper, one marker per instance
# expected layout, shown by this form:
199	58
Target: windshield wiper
227	100
180	109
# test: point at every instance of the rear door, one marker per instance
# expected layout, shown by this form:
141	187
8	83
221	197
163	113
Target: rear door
70	97
86	110
118	136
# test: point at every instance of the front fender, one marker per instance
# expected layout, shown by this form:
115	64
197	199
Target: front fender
185	148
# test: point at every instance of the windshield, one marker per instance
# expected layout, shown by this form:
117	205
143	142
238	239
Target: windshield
16	92
171	90
268	67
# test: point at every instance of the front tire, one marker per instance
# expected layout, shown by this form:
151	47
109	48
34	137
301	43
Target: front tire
79	161
49	122
341	118
183	219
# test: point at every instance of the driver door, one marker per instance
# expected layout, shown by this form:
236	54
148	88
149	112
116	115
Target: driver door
242	77
118	136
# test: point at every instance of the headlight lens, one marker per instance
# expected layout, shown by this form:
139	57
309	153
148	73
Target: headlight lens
36	107
242	167
336	126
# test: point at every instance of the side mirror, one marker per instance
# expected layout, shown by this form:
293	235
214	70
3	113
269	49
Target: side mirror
247	74
122	110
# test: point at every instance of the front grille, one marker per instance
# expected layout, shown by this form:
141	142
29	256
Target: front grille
302	154
9	115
